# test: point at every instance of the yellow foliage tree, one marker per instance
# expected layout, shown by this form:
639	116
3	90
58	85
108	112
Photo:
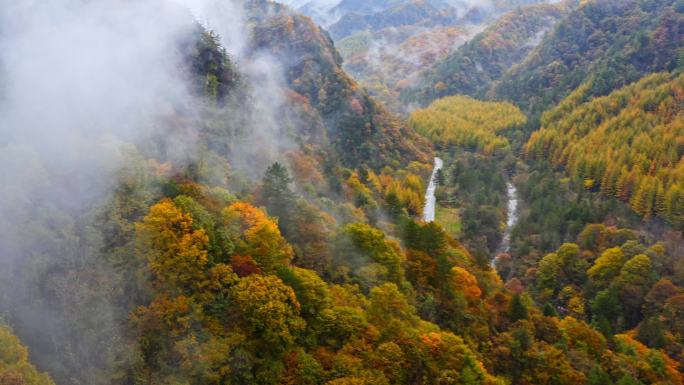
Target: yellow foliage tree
257	235
466	282
607	266
15	369
176	252
269	308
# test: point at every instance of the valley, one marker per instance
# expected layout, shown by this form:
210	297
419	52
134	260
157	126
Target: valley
337	192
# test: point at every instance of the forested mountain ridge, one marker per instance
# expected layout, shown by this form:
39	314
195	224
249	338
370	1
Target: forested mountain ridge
471	69
386	44
627	144
413	13
612	42
359	129
387	61
468	123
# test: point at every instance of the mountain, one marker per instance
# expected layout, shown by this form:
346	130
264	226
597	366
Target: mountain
386	44
613	43
460	121
329	12
421	14
386	61
484	59
626	144
359	129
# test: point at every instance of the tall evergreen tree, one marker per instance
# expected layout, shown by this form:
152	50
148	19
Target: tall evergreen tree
277	195
518	309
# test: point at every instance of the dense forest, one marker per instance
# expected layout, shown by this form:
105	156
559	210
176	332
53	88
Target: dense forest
473	67
613	42
199	193
469	123
628	144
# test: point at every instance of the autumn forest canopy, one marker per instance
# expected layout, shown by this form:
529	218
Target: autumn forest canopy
224	192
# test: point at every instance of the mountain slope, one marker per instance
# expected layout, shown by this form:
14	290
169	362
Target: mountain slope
385	62
412	13
629	144
463	122
614	42
360	130
473	67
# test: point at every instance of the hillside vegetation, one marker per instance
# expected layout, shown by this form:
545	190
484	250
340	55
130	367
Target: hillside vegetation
466	122
357	129
387	61
473	67
268	228
628	144
15	367
612	42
